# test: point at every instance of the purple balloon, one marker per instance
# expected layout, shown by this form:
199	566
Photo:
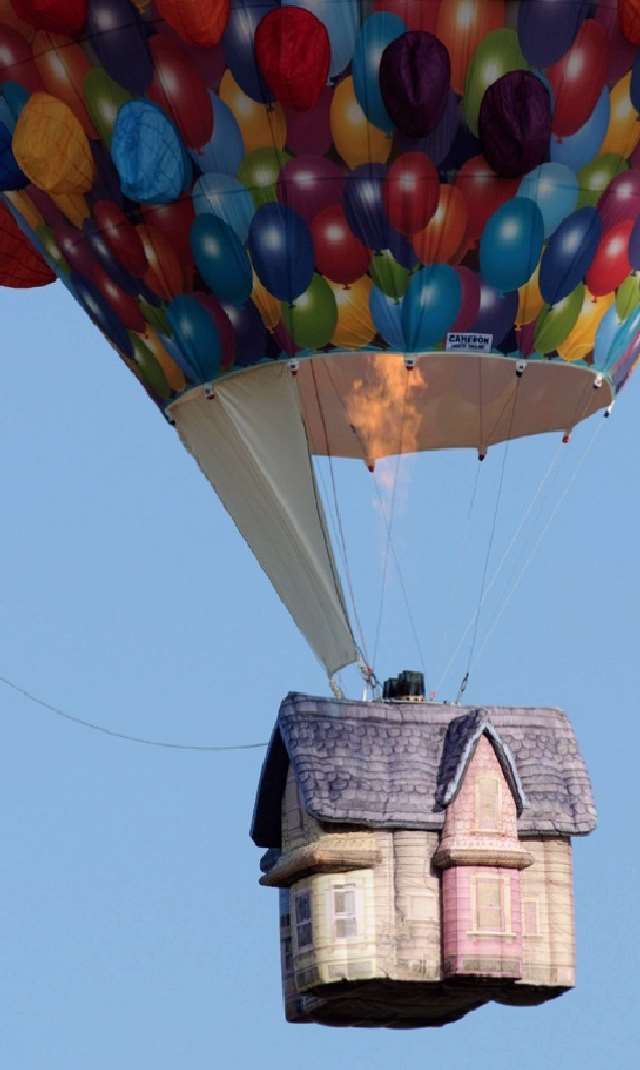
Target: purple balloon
496	314
309	132
119	39
634	246
310	183
401	249
106	186
415	72
251	336
103	255
621	52
438	143
515	124
547	28
74	247
363	201
469	301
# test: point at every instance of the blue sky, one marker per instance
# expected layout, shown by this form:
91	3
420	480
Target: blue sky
132	928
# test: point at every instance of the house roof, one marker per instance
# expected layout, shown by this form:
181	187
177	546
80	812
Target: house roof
398	765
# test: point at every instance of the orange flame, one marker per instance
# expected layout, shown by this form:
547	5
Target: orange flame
383	408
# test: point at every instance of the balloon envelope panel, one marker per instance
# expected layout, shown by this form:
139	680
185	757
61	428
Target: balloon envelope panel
212	180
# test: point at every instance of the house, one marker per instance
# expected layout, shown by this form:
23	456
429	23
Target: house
422	853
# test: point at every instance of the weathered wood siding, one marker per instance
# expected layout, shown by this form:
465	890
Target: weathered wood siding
415	896
548	914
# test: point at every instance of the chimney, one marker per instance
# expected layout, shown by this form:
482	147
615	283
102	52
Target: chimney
407	687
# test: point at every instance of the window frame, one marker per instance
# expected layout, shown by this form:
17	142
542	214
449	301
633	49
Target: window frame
504	883
297	923
345	916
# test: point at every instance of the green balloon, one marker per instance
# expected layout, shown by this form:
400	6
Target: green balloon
497	54
148	368
52	249
104	98
259	172
628	296
596	176
311	319
556	322
389	276
155	316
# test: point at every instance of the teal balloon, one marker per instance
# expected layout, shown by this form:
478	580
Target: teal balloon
149	155
626	334
226	197
386	313
195	337
221	259
511	244
430	306
554	188
341	21
375	34
225	150
607	330
580	148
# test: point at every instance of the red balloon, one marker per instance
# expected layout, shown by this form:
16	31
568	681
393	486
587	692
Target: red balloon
578	78
417	14
411	192
202	22
121	237
174	222
16	61
309	132
293	54
75	249
611	265
339	254
20	264
57	16
620	200
164	273
470	300
446	232
63	67
224	325
309	184
483	192
180	90
629	18
123	304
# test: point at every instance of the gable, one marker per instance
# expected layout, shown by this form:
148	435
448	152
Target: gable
461	741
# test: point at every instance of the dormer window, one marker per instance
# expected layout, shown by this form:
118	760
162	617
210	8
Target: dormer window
487	804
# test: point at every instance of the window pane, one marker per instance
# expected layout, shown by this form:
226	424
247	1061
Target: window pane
303	907
305	935
487	802
489	905
346	928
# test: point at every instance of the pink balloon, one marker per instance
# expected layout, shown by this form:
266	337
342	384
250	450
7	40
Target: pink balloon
470	300
309	132
525	336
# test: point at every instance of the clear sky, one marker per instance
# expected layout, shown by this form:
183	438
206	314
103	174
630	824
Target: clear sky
133	932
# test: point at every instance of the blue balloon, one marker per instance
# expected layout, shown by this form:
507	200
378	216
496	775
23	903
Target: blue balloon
634	88
554	188
11	177
238	44
430	306
101	312
375	34
386	313
496	314
341	22
569	253
511	244
580	148
363	200
547	28
149	155
401	249
605	335
225	150
118	37
281	250
251	336
625	336
197	338
227	198
437	144
221	259
13	98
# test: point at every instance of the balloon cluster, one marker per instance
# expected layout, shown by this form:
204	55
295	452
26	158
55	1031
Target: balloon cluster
222	182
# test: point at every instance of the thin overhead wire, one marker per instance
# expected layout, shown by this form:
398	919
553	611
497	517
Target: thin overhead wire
518	579
165	744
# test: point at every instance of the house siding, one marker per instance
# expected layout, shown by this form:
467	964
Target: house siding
549	956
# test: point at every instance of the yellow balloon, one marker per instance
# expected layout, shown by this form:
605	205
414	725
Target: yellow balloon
261	126
173	373
266	303
72	205
581	340
354	328
51	147
355	139
530	300
623	133
25	207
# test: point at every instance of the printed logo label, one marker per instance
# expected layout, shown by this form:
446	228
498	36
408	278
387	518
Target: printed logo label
469	342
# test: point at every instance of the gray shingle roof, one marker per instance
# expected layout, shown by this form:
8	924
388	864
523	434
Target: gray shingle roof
396	765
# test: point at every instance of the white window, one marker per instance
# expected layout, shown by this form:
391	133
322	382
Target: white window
530	917
487	816
304	923
492	903
344	911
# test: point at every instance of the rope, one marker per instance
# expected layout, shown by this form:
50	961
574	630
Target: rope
166	745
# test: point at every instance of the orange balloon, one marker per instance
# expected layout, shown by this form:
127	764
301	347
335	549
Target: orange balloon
266	303
354	328
461	26
623	133
202	22
72	205
25	207
164	273
356	140
530	300
51	147
173	373
63	67
443	235
261	126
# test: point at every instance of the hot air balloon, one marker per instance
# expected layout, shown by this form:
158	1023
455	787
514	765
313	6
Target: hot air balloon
289	218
